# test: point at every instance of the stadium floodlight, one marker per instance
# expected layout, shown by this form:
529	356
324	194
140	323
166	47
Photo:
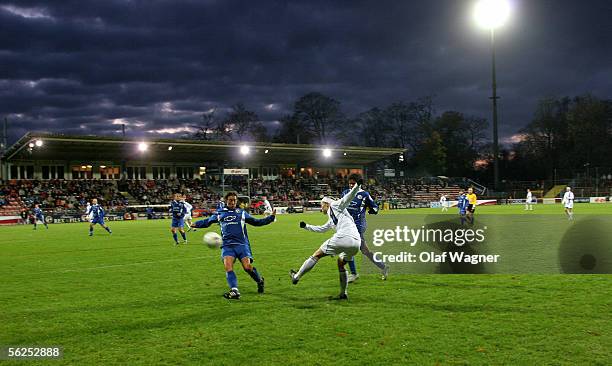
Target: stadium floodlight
244	150
491	14
327	153
344	154
89	166
169	148
31	145
143	146
39	143
265	152
102	166
83	166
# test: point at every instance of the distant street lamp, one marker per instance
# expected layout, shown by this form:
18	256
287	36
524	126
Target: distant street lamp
492	14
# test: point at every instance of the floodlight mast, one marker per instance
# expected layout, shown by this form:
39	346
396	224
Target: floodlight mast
492	14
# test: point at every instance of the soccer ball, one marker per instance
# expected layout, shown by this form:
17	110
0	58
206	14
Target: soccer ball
212	239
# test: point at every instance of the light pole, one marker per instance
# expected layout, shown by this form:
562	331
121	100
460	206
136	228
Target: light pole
492	14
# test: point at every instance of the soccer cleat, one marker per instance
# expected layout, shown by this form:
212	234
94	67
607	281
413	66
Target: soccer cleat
185	241
352	277
293	274
90	234
232	294
260	286
385	273
339	297
176	244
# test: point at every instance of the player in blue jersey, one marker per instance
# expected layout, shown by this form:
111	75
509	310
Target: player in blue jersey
462	205
39	216
363	201
96	216
177	213
236	243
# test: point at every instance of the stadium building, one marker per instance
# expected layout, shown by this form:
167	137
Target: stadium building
51	156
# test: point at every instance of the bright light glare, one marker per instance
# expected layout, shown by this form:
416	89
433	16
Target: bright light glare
169	148
31	144
142	146
491	14
265	152
39	143
244	150
327	153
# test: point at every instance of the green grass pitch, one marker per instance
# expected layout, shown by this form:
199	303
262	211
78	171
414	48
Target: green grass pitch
132	298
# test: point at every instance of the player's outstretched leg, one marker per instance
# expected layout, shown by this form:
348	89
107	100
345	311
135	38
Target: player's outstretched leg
91	229
232	280
305	268
34	225
366	251
182	231
107	229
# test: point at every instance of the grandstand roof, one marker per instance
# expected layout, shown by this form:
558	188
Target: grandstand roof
95	148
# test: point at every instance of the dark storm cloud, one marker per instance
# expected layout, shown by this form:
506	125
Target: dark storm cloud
87	66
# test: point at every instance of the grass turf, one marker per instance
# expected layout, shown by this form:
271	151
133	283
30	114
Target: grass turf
132	298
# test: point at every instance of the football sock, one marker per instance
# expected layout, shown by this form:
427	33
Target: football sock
183	235
343	282
254	274
353	267
232	281
175	237
107	229
306	266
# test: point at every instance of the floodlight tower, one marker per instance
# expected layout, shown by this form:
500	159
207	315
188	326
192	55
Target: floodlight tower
492	14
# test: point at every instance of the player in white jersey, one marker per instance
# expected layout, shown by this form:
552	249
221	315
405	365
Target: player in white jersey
568	203
267	207
529	201
188	209
344	243
443	203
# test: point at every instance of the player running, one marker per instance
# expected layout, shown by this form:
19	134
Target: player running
357	208
177	212
568	203
96	215
188	211
471	208
443	203
529	200
235	242
39	216
344	243
462	205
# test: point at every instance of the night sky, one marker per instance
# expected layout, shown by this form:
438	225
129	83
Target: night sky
85	67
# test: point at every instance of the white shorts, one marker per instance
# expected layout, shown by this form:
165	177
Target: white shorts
187	217
342	246
569	205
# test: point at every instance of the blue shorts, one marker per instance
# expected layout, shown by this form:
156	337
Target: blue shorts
99	220
178	222
237	251
40	218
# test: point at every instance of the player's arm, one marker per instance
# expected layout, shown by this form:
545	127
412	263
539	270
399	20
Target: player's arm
259	222
206	222
371	204
346	200
318	229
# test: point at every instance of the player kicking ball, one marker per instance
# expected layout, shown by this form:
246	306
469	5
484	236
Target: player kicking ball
344	243
235	242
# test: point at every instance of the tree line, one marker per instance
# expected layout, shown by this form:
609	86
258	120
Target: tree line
564	133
